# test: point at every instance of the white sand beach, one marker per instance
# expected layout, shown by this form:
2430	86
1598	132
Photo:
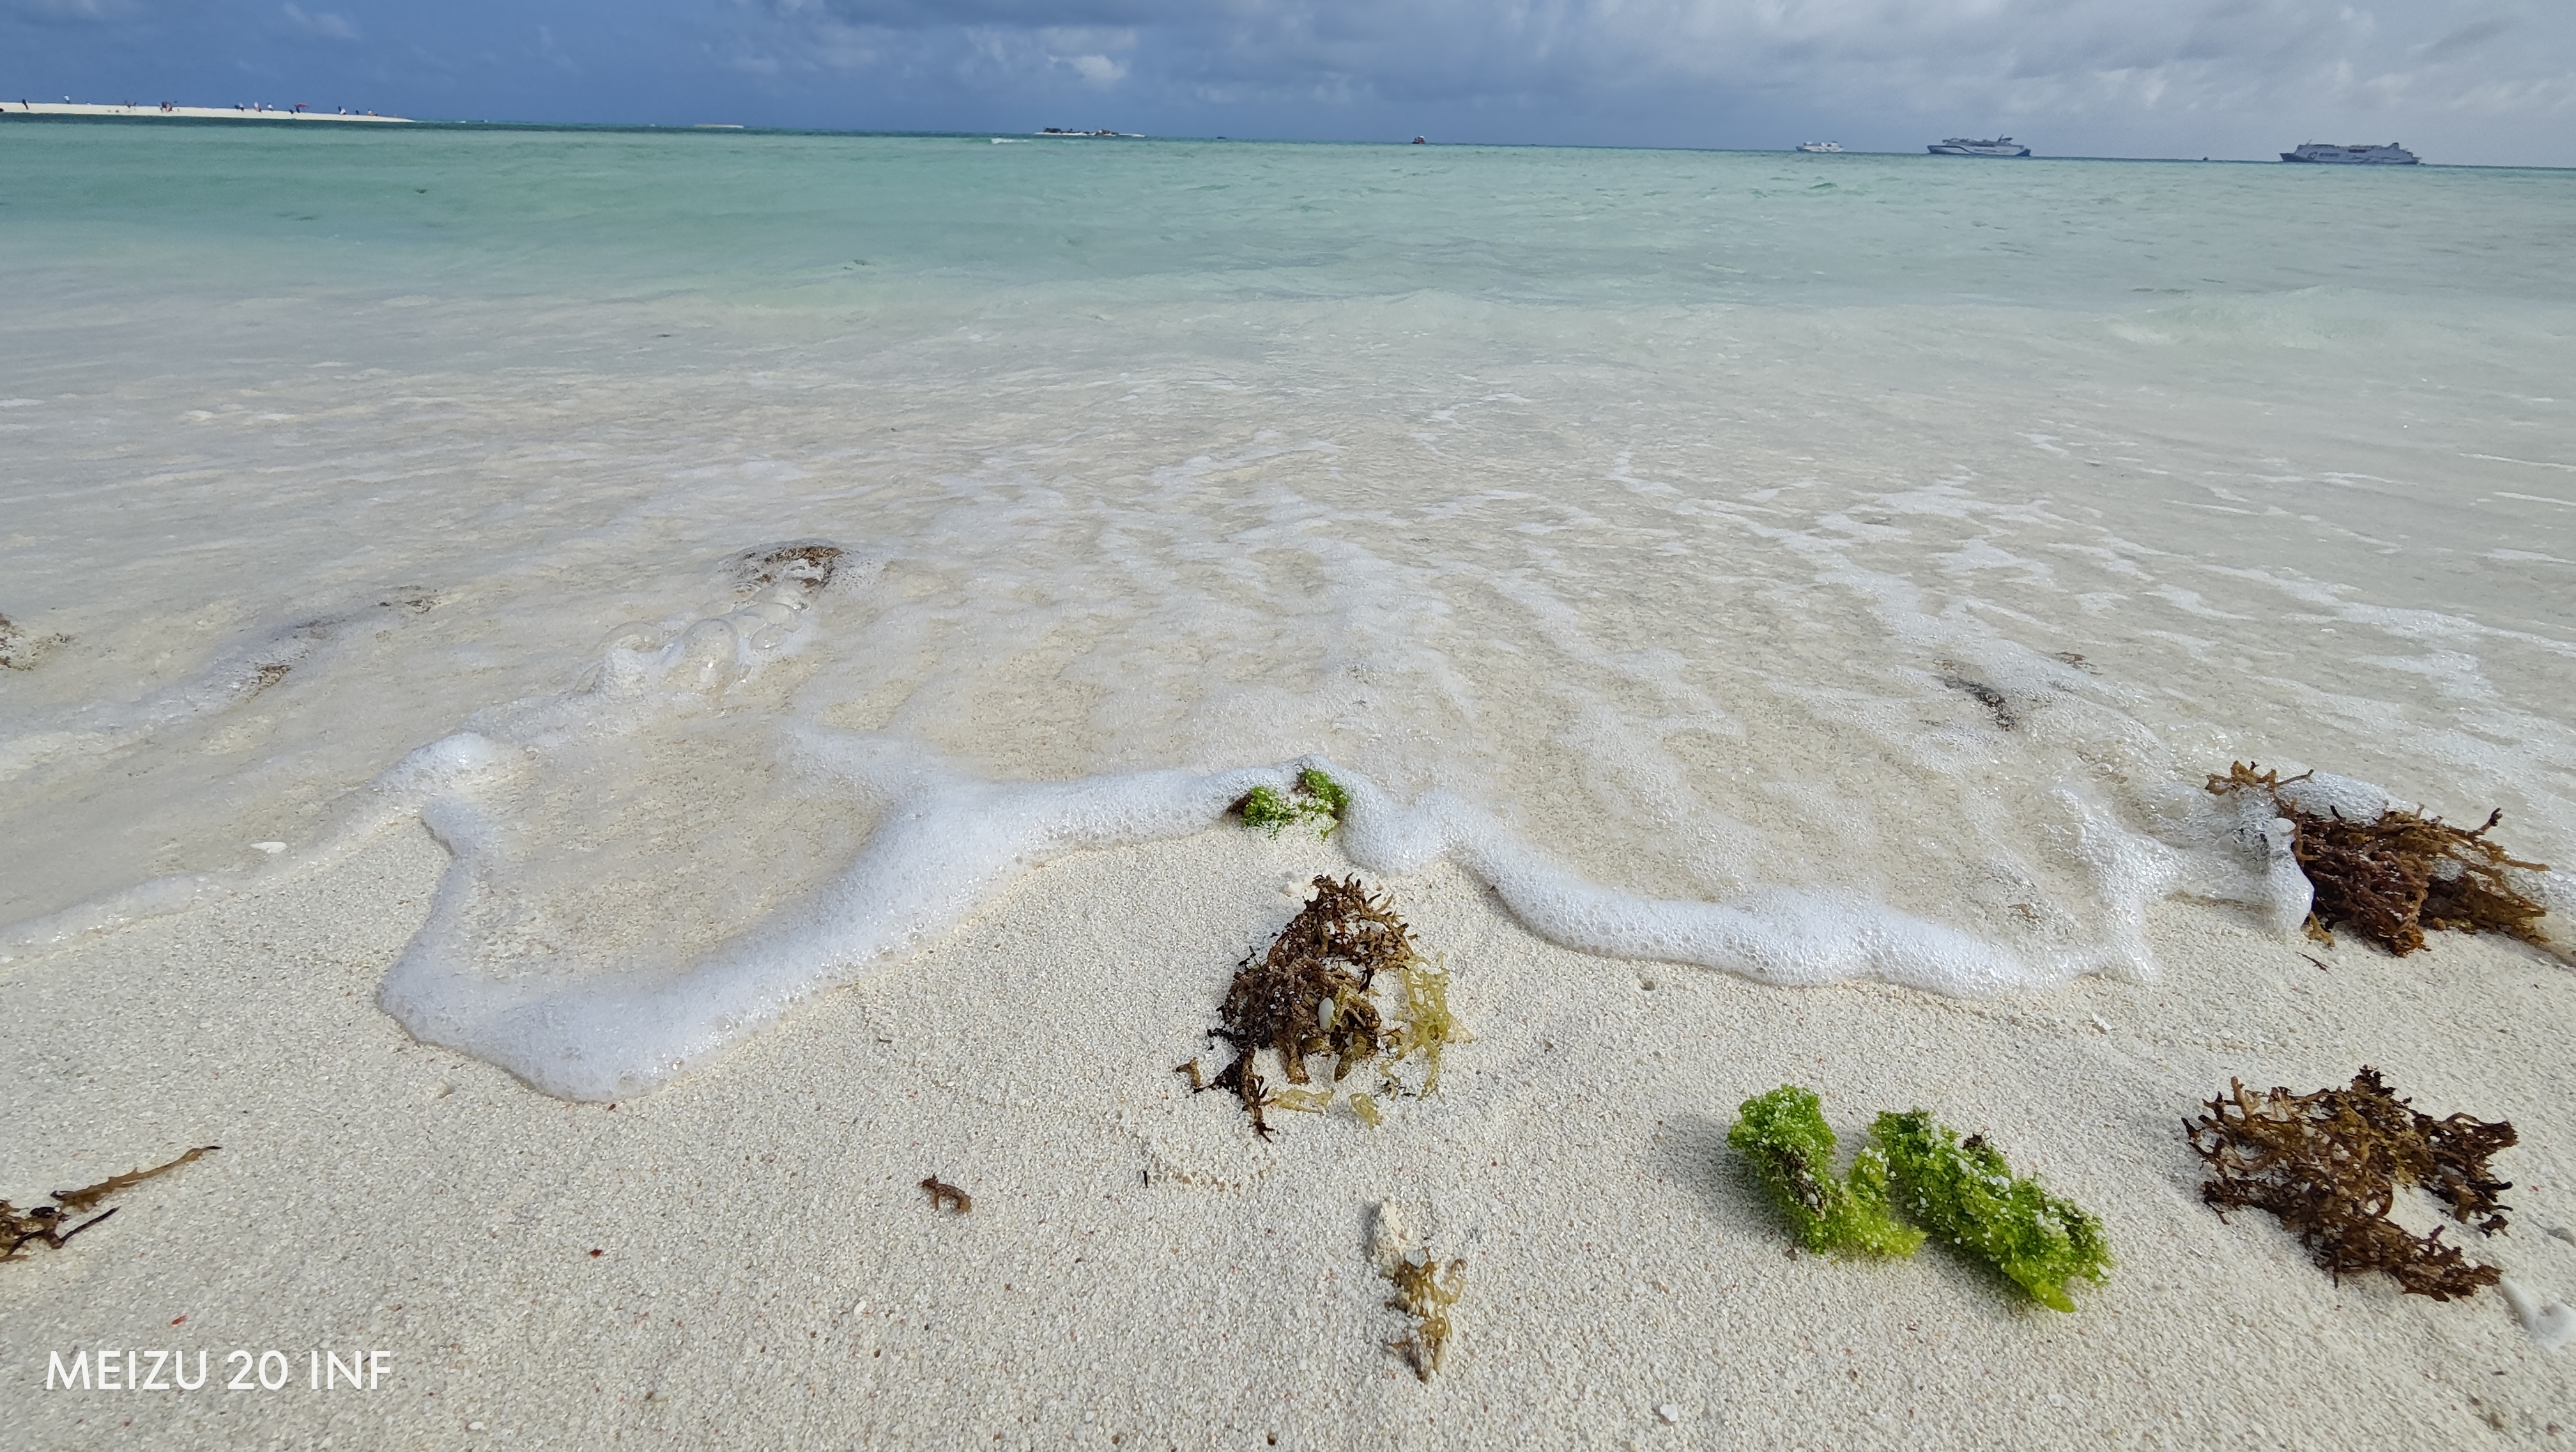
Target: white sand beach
184	113
824	591
1139	1270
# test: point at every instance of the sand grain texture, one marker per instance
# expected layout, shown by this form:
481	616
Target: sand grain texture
771	1272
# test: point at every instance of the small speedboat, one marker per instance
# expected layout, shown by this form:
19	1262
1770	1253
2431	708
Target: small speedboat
1820	147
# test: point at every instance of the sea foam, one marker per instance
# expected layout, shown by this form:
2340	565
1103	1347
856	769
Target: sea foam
1804	584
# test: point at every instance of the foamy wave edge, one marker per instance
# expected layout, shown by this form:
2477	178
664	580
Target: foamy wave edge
946	843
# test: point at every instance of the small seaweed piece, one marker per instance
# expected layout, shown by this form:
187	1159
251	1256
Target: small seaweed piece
1249	1089
1428	1025
42	1223
1330	796
1965	1192
1425	1290
1304	1101
1314	796
2396	876
20	653
1784	1135
2328	1165
1983	694
945	1196
88	1195
808	564
1366	1108
1265	808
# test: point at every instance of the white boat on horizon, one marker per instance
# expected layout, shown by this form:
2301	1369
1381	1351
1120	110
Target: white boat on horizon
1963	146
2332	155
1820	147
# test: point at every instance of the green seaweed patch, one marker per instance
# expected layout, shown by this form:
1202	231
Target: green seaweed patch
1784	1136
1964	1192
1315	797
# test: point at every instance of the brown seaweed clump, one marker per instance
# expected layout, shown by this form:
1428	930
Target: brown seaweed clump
2328	1165
2393	878
42	1224
1309	995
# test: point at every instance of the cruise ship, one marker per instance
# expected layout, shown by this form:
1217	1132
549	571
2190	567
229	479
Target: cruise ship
1962	146
2390	155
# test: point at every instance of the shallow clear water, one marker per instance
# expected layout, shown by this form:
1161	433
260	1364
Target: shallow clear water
1903	534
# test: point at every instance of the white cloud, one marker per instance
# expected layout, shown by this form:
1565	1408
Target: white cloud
319	23
2080	65
1099	70
71	12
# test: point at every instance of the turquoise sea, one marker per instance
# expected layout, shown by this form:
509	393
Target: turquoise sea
1807	566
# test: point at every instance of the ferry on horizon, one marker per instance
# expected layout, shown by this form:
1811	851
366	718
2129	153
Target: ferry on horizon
1060	131
1820	147
1962	146
2332	155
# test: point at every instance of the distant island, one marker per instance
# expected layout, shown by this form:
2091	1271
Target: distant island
165	111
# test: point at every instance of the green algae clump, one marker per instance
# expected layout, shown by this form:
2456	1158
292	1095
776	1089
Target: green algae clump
1784	1135
1316	796
1965	1192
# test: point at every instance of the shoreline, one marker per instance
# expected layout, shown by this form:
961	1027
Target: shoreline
1137	1265
183	113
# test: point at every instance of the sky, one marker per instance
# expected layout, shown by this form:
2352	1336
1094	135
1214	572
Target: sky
2470	81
